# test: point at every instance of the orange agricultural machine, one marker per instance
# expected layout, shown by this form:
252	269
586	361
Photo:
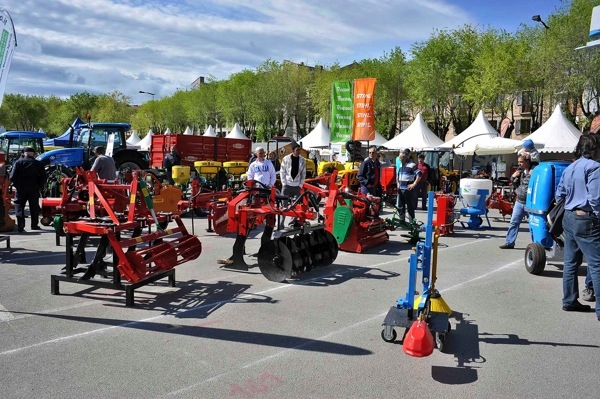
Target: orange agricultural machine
144	247
6	222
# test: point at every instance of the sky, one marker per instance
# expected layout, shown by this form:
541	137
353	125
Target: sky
66	47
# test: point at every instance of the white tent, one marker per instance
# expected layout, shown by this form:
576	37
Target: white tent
378	140
145	143
134	138
417	137
188	131
479	130
319	137
236	133
557	134
168	131
210	132
489	146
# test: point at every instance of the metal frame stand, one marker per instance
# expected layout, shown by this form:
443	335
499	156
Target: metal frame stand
109	279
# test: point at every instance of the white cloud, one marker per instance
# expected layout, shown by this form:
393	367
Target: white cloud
99	46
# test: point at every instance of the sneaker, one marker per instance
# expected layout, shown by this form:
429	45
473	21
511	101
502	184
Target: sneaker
507	246
577	307
588	295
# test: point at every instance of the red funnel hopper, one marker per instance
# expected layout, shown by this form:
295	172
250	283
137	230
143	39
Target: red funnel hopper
418	341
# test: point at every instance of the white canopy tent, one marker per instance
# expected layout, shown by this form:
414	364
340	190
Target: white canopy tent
489	146
188	131
145	143
417	137
479	130
236	133
557	134
134	138
210	132
379	140
319	137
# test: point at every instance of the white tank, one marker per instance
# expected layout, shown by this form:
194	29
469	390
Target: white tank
469	187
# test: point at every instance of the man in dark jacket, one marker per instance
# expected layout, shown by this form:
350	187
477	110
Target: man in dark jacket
172	159
520	180
28	176
369	174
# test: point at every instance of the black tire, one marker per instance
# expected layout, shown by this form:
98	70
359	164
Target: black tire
535	258
54	176
387	338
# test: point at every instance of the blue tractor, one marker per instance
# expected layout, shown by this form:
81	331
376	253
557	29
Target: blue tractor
540	198
11	143
80	153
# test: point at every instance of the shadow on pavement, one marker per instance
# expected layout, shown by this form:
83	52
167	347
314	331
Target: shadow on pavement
222	334
342	274
463	343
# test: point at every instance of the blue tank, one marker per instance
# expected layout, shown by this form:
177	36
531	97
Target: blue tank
540	195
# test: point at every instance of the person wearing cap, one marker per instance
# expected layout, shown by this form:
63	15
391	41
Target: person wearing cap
369	174
28	176
292	174
104	165
408	176
529	148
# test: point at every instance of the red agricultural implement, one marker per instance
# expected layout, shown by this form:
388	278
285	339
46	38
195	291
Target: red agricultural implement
144	247
350	222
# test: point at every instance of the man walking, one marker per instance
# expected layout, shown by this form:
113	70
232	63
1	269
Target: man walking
520	180
28	176
408	176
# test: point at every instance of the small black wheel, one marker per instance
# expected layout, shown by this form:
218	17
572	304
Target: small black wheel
535	258
440	341
389	336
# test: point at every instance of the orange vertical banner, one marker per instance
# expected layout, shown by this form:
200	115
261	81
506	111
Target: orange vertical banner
364	109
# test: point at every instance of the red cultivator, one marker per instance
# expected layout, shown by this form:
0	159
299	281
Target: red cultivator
117	211
291	251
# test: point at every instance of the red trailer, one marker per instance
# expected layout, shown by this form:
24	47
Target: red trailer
198	148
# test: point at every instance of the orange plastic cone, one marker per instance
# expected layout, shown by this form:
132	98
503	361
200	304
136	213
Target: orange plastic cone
418	341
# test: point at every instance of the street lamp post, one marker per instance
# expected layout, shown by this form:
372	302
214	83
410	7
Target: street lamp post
537	18
146	92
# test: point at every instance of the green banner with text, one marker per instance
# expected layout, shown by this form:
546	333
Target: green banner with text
341	111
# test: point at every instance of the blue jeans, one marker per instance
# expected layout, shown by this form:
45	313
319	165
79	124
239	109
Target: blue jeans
582	238
515	222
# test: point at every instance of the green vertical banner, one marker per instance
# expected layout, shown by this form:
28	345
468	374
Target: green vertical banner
341	111
8	42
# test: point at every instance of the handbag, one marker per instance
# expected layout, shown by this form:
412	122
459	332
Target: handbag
554	219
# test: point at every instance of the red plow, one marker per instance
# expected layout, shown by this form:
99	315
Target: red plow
144	247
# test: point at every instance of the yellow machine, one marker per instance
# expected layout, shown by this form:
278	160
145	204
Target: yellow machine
208	169
181	174
330	166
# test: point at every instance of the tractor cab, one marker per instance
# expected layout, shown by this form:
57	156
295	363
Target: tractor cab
11	143
108	135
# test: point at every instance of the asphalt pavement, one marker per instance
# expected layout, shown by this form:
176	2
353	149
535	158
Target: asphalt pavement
223	333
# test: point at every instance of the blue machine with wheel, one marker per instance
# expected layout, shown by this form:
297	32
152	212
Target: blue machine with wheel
540	197
429	306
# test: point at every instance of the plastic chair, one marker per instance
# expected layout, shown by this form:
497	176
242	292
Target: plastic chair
475	221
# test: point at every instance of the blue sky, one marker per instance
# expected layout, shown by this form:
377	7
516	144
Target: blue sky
160	46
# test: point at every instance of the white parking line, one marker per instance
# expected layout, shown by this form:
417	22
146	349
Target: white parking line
5	315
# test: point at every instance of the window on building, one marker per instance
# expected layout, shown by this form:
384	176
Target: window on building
523	126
